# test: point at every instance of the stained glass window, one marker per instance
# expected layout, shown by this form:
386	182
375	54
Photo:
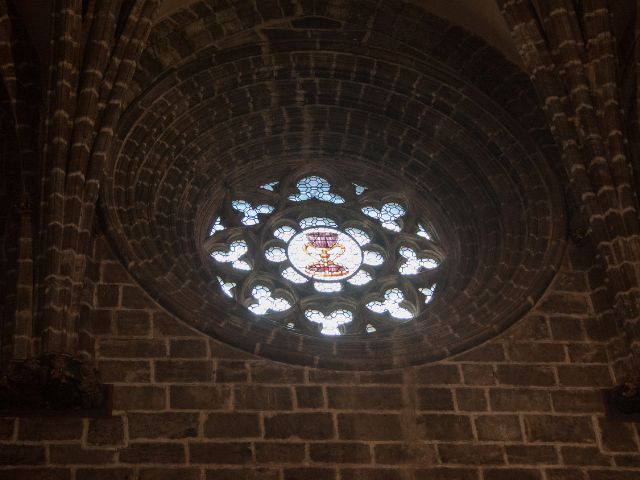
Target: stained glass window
217	226
313	249
317	222
389	215
428	292
227	287
422	232
266	302
284	233
315	187
359	189
233	254
251	213
330	324
412	264
392	303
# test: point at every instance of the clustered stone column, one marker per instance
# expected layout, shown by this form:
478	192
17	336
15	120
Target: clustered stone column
571	58
64	138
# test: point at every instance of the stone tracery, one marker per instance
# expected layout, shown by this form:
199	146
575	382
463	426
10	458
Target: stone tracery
339	255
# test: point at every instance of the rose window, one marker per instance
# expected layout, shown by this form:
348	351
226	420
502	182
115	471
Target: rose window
324	256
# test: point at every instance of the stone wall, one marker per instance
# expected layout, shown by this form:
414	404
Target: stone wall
525	405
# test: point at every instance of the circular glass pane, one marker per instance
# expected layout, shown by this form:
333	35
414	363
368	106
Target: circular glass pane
324	254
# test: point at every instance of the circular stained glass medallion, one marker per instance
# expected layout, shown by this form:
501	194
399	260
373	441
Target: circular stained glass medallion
324	254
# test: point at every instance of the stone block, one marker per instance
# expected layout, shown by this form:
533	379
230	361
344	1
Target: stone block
171	425
232	425
243	474
133	323
125	371
560	429
138	398
531	455
584	456
334	452
258	397
105	474
445	427
106	431
403	454
434	399
197	397
369	426
471	454
309	397
279	452
132	348
584	376
503	428
22	455
616	436
183	371
38	429
75	454
519	400
231	453
471	399
134	297
231	371
153	453
511	474
310	426
438	473
365	398
371	474
188	348
169	473
48	473
274	373
526	375
309	474
439	374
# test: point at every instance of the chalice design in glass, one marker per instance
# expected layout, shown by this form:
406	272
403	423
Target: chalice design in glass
323	247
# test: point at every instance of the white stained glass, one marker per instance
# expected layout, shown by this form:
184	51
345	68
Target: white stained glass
236	250
266	302
293	276
275	254
226	287
414	265
216	227
359	189
359	236
270	186
315	187
422	232
330	323
372	258
317	222
360	278
324	254
428	293
391	304
250	213
370	328
324	287
284	233
388	216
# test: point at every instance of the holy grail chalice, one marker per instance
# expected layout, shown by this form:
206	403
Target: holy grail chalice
324	247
